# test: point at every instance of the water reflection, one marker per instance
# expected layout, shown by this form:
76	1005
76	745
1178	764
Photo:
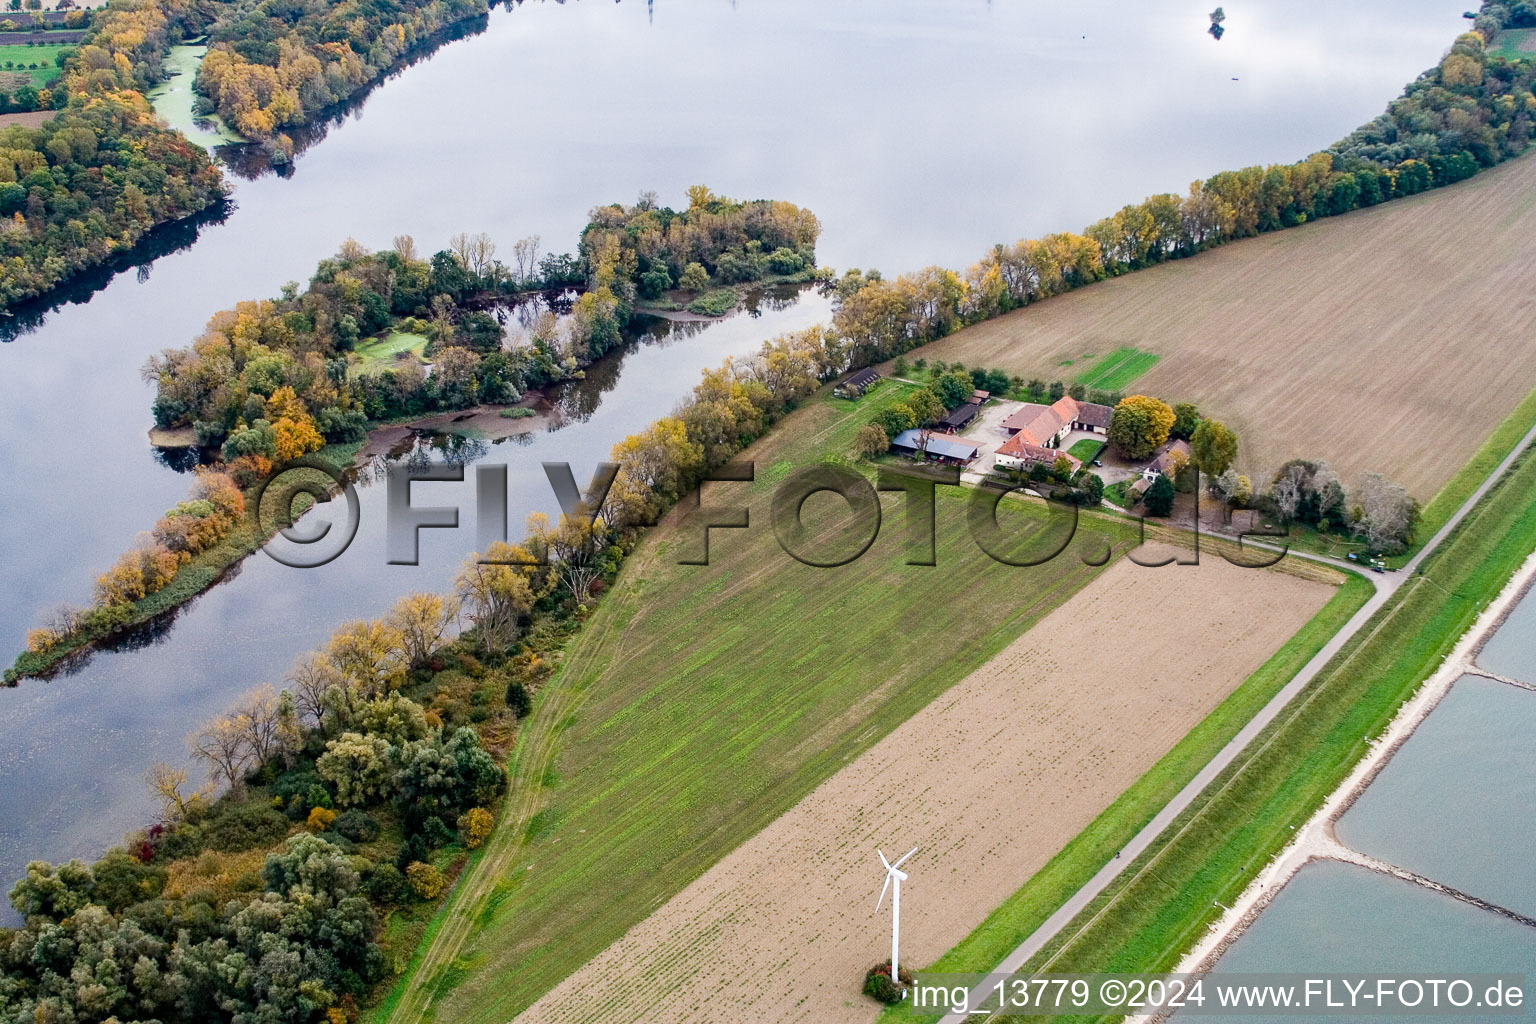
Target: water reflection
253	161
27	317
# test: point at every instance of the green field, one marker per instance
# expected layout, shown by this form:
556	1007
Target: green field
1117	370
660	746
1166	899
1086	450
16	57
382	353
1514	44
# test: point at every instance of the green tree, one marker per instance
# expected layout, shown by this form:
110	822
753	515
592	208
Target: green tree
1185	418
1214	446
1159	499
362	768
893	419
1092	490
953	388
518	700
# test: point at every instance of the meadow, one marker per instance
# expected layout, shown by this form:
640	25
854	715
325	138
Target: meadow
1381	340
660	746
18	58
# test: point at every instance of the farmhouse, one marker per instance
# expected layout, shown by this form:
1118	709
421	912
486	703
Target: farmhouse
934	447
1017	453
855	384
1047	425
1164	458
1090	416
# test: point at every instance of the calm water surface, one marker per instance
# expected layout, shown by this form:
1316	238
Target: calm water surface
918	131
1511	652
1339	918
1455	802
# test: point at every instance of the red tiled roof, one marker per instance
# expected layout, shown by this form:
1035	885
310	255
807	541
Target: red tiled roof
1036	423
1019	448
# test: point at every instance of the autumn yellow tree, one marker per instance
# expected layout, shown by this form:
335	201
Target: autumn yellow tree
1139	425
497	592
423	621
370	655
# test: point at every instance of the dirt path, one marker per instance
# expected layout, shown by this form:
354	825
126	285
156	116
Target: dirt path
991	780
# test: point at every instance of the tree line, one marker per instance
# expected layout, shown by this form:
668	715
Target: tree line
1469	112
1381	513
375	766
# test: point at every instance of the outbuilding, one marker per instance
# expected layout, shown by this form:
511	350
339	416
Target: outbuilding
925	444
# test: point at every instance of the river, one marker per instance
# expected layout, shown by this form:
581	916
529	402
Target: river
919	132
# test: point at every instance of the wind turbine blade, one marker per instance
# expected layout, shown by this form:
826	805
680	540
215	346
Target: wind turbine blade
899	863
883	888
882	859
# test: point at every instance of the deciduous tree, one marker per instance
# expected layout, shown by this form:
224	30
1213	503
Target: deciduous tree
1139	425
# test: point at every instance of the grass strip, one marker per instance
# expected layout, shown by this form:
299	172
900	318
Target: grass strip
1117	370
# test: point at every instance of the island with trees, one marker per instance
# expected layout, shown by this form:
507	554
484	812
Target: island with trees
386	337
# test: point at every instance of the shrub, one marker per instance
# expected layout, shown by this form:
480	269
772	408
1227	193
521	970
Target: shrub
320	819
357	825
879	986
518	700
716	303
436	833
425	880
475	826
385	884
244	828
695	278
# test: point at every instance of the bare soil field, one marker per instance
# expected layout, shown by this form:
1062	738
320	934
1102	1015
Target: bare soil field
1391	339
30	118
990	781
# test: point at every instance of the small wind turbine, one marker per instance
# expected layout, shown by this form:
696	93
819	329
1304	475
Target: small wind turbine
893	873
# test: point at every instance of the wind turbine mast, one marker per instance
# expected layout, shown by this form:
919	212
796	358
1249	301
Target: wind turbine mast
894	876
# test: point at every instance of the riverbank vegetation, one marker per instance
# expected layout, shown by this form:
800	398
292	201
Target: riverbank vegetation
274	66
696	257
88	184
272	381
187	551
335	814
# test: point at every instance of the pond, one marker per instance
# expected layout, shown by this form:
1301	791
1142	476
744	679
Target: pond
918	131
